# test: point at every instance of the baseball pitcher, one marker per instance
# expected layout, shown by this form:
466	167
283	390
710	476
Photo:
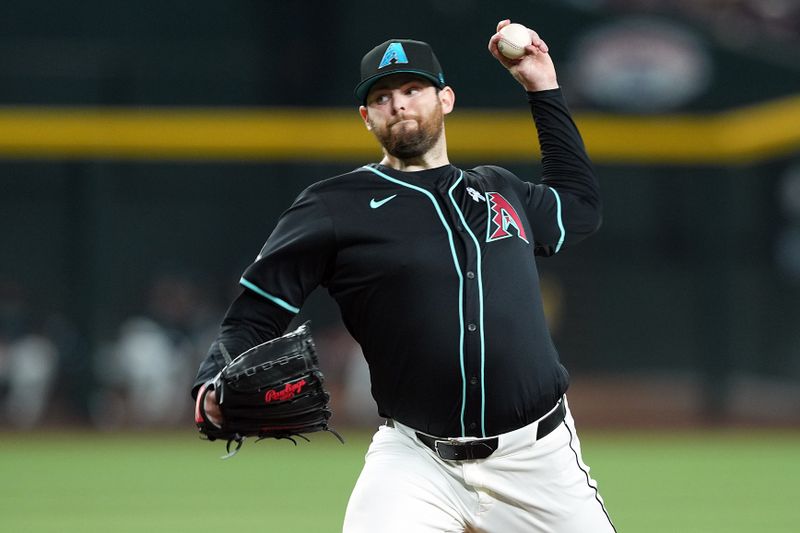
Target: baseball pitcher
433	267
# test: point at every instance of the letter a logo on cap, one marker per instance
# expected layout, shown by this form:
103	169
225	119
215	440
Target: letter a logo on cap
394	54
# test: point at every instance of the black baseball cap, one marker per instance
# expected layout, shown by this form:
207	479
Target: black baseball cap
397	56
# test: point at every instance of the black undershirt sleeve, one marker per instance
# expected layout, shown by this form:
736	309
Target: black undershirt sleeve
565	206
565	163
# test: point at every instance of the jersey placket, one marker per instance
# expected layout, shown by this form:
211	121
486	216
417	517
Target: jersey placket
474	399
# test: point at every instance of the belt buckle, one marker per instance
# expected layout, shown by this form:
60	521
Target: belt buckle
449	442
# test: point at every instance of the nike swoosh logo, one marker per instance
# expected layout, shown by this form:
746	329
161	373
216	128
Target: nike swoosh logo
375	204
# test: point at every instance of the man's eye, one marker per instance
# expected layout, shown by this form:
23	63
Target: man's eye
382	99
412	90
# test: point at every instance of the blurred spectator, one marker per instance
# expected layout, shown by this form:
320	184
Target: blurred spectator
28	359
145	374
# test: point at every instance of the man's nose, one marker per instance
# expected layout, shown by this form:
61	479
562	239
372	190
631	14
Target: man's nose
399	102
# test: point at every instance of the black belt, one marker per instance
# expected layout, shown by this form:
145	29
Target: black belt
452	450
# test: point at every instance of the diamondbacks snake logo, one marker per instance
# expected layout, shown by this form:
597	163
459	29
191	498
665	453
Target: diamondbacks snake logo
502	217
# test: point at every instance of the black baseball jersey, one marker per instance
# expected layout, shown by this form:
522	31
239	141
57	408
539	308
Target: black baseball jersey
435	276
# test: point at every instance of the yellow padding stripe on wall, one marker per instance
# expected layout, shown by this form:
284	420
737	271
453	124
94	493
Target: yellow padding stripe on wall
754	133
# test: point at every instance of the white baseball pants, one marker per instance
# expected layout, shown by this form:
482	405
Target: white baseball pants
524	486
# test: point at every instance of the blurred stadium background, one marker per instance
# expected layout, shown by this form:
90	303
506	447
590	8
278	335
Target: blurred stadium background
147	149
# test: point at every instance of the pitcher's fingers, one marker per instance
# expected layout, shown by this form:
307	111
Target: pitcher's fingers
538	42
493	40
493	43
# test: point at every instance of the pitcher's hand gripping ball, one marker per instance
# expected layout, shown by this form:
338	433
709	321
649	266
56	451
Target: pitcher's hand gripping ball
274	390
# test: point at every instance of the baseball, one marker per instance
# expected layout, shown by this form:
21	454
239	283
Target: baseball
515	38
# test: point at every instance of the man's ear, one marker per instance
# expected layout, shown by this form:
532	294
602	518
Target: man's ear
448	99
364	116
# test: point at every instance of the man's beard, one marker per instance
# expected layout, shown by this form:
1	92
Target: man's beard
405	144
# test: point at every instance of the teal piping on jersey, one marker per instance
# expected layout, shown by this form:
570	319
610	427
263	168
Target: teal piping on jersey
560	223
480	306
274	299
458	271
